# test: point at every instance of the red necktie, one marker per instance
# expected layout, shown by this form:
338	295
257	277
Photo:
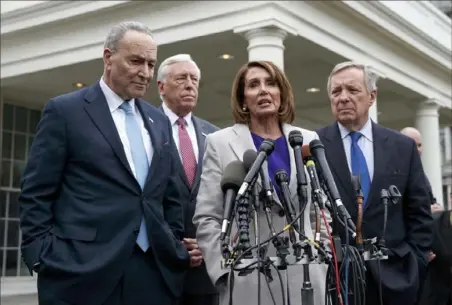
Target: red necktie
186	151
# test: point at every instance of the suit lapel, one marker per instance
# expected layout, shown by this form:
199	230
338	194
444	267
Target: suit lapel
155	135
201	139
242	142
287	128
98	111
334	148
381	156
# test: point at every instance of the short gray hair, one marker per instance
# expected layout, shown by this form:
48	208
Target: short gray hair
370	78
118	31
162	71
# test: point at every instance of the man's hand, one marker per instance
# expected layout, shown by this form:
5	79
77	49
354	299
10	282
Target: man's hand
436	208
431	256
195	254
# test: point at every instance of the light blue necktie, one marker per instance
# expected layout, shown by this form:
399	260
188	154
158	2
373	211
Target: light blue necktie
359	165
140	162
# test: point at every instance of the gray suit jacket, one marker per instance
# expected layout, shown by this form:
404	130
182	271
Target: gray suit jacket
223	147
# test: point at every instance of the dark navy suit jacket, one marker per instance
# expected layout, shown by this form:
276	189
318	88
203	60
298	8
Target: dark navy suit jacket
409	225
81	206
197	280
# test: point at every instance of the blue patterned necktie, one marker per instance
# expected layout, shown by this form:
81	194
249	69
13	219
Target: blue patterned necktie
359	165
140	163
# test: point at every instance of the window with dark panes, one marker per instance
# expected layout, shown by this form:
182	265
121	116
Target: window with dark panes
17	129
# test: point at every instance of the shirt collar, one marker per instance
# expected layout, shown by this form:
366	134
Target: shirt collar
366	130
174	117
113	100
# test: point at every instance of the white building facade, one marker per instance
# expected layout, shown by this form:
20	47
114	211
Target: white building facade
50	47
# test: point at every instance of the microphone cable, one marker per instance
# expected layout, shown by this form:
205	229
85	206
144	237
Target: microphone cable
266	241
257	222
353	266
347	269
333	250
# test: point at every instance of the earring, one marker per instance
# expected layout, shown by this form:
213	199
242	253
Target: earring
244	108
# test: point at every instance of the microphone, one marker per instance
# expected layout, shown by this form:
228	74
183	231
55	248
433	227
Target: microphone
308	156
315	184
296	141
316	171
265	150
384	195
282	179
233	176
249	157
359	221
317	195
318	152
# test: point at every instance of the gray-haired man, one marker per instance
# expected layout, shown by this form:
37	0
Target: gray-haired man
381	157
101	213
178	80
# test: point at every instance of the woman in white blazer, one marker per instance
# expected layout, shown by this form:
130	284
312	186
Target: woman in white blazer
262	107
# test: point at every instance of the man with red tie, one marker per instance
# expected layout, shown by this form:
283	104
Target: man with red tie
178	82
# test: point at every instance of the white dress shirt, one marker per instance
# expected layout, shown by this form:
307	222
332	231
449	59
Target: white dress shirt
190	129
119	117
365	142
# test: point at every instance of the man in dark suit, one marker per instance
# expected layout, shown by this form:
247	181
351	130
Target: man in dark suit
436	287
414	134
380	157
178	81
101	213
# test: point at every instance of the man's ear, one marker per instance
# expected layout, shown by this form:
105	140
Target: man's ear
161	86
373	97
107	57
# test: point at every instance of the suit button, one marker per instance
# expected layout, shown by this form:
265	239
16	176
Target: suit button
136	231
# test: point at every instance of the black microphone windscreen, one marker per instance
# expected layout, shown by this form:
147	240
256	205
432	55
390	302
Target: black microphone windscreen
356	183
248	158
267	146
315	144
295	138
233	176
281	176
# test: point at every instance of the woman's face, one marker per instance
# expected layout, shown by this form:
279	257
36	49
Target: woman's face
262	94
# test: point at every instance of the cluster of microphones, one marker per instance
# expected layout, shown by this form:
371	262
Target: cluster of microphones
242	196
239	179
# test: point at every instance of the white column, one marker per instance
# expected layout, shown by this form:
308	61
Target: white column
373	111
377	74
427	122
266	44
1	128
448	144
449	198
